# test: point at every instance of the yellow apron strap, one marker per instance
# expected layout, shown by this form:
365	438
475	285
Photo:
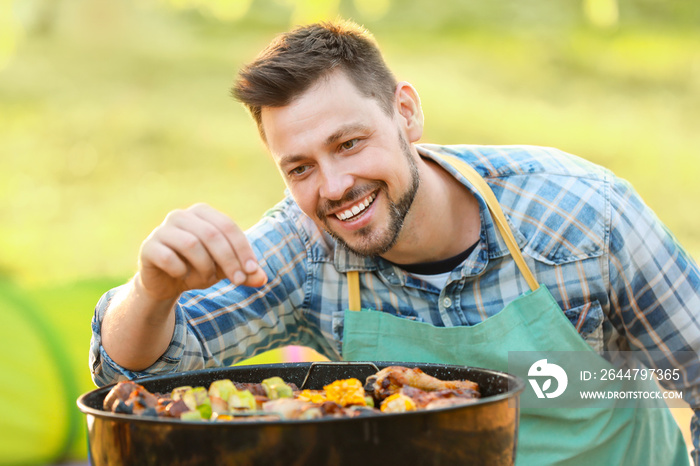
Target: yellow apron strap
354	293
501	223
499	218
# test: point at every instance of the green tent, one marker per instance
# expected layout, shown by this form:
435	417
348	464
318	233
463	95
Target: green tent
40	422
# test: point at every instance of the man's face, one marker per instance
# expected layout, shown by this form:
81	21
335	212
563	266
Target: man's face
346	162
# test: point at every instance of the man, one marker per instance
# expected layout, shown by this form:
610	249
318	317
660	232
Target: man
432	256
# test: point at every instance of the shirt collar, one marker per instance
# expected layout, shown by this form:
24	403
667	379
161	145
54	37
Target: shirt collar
346	260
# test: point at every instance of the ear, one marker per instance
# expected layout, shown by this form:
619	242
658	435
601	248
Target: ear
409	111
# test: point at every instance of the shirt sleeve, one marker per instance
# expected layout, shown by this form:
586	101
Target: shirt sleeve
655	295
226	323
105	371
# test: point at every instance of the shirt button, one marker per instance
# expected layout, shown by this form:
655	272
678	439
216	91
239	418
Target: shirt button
447	302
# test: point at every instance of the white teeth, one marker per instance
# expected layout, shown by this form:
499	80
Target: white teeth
356	209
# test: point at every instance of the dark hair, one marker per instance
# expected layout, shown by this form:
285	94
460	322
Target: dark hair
295	60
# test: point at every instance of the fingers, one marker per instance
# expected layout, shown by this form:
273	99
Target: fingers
227	244
256	279
200	267
199	246
163	258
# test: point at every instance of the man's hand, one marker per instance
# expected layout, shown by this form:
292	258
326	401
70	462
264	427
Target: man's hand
193	249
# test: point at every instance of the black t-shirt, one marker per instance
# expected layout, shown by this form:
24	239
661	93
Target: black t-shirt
437	267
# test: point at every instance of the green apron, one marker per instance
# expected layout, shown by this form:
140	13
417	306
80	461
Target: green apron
532	322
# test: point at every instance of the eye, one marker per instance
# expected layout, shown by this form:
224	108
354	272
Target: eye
298	171
347	145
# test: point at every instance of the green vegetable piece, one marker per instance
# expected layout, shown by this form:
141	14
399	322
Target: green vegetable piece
205	411
276	388
191	415
177	393
369	401
222	388
201	396
242	400
196	397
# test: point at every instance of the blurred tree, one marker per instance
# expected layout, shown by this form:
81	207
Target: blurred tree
222	10
302	11
308	11
603	14
372	10
9	32
227	10
45	14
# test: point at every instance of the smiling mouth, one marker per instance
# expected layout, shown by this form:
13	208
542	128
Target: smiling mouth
356	209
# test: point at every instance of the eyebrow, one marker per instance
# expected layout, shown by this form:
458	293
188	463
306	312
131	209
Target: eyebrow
345	130
342	132
291	159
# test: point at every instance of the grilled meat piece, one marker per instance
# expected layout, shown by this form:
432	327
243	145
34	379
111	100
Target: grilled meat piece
439	398
175	408
120	392
448	402
142	401
290	408
287	408
131	398
390	380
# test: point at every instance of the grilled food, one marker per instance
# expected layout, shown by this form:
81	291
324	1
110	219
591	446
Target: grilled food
394	389
390	380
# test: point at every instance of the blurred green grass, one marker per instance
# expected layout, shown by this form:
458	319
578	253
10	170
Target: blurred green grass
114	113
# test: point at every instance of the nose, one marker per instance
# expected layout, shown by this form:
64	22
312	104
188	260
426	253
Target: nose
334	183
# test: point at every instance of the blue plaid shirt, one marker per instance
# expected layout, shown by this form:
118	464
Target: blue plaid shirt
619	275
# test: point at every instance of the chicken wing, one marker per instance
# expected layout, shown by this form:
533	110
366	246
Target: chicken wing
390	380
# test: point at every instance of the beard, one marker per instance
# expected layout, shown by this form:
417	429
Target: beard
371	242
